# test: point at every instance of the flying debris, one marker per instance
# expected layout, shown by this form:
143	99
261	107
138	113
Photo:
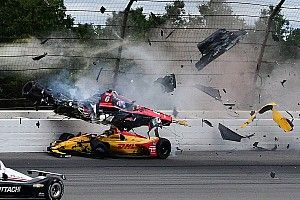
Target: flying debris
285	124
255	145
215	93
267	107
288	146
228	134
224	90
102	9
175	112
282	82
39	57
170	33
149	42
38	124
272	174
216	44
207	122
168	83
99	74
44	41
161	33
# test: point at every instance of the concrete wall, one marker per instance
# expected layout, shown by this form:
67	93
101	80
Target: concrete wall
19	131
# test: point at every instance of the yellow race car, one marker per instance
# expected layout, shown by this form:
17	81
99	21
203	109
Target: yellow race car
111	142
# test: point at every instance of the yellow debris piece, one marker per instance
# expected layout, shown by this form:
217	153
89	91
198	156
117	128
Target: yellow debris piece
284	123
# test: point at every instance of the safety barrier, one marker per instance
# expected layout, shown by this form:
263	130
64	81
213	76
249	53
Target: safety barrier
32	131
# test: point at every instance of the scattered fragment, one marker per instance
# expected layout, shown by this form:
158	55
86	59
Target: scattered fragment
38	124
229	104
272	174
149	42
170	33
224	90
178	149
288	146
39	57
168	82
175	112
102	9
274	148
267	107
264	136
228	134
161	33
276	139
20	120
216	44
207	122
230	107
285	124
215	93
181	66
255	145
99	74
252	117
44	41
282	82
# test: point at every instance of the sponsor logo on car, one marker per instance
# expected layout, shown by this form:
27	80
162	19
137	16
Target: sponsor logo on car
10	189
127	146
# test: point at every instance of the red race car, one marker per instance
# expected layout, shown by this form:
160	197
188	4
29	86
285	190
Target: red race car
106	108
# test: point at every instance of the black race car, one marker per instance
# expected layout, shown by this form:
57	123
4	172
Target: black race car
216	44
15	185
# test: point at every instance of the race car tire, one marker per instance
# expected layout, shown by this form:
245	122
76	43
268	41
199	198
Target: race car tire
163	148
55	189
99	148
65	136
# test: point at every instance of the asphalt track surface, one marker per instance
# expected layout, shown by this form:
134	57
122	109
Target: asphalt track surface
190	175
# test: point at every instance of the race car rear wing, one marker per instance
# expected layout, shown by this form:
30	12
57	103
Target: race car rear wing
43	173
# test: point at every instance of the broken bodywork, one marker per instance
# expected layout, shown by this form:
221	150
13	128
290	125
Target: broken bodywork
216	44
228	134
285	124
105	108
111	142
168	83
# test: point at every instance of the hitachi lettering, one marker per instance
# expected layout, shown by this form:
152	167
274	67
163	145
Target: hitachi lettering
10	189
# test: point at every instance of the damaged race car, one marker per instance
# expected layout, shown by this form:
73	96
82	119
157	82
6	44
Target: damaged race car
112	142
216	44
106	108
15	185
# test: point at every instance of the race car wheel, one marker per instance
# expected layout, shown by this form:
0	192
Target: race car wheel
65	136
99	148
55	189
163	148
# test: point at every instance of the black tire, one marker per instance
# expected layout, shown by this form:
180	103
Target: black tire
163	148
55	189
99	148
65	136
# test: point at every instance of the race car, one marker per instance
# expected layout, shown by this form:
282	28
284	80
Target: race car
112	142
15	185
105	108
216	44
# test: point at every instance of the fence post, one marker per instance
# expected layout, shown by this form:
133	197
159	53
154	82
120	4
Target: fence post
123	29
